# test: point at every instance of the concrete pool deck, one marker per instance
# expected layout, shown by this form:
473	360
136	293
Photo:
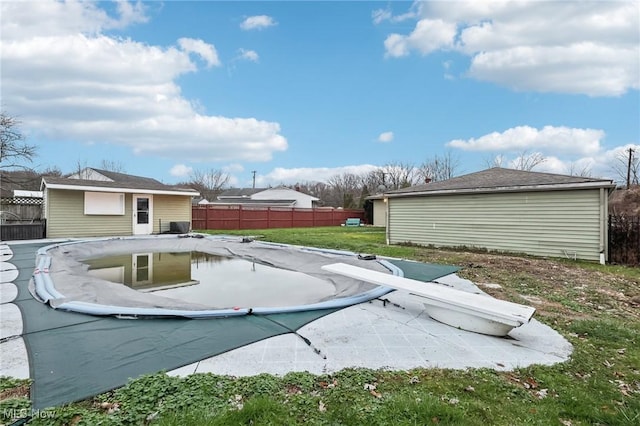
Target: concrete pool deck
395	334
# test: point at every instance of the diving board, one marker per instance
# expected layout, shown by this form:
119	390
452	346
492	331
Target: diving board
479	313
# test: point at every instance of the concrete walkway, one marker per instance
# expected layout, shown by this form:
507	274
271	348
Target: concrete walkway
394	335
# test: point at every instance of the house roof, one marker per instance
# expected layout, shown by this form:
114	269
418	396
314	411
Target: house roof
499	179
248	193
251	202
120	182
241	192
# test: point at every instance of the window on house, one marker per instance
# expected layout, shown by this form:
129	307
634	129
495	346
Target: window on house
103	203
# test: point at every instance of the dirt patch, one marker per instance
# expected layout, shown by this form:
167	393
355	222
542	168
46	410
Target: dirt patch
555	287
21	391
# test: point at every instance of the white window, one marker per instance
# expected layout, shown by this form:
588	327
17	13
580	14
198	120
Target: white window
105	203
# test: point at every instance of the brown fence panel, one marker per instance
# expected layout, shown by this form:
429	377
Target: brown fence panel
251	218
224	216
279	217
302	218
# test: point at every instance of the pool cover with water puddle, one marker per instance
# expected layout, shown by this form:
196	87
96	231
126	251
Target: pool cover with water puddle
220	282
73	356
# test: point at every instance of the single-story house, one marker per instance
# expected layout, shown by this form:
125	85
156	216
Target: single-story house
98	202
273	197
500	209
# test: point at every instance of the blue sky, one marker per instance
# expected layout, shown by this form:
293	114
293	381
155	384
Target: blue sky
301	91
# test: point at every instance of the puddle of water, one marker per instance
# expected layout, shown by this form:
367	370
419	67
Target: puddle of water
215	281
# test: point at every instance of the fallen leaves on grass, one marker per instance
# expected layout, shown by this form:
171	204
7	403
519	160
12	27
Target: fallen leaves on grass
327	385
372	390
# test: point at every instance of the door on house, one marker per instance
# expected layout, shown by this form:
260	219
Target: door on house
142	214
141	270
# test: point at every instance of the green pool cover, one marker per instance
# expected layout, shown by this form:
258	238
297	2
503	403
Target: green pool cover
75	356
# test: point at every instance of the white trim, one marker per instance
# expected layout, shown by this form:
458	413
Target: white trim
123	190
28	194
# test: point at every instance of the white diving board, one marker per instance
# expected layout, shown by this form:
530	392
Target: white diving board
480	313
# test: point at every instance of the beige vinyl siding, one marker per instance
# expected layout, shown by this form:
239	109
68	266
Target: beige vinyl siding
379	213
66	218
545	223
170	208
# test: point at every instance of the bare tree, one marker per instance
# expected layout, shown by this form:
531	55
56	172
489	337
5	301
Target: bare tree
112	166
13	148
528	161
346	188
439	168
524	161
498	161
626	166
582	171
209	183
396	175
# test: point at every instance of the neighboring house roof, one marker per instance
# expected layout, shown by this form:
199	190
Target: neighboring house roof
249	193
499	179
250	202
240	192
118	182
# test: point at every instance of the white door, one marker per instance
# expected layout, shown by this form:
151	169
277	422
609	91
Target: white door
142	214
141	270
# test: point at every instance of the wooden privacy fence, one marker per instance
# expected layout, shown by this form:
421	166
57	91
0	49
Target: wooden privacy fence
216	216
624	239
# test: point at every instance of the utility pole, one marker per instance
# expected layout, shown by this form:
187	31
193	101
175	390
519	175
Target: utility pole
254	179
629	168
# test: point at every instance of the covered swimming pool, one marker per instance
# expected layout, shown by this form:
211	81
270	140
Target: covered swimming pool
198	276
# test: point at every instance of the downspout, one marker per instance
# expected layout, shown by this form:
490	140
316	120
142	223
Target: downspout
386	220
605	193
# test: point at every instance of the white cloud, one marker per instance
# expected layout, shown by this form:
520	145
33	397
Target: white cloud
113	90
549	139
180	170
547	46
206	51
258	22
385	137
54	18
233	168
381	15
310	174
249	55
428	36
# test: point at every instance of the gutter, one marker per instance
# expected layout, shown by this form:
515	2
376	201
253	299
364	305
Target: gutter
119	190
529	188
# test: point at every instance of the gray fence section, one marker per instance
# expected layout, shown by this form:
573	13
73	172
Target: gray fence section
22	231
